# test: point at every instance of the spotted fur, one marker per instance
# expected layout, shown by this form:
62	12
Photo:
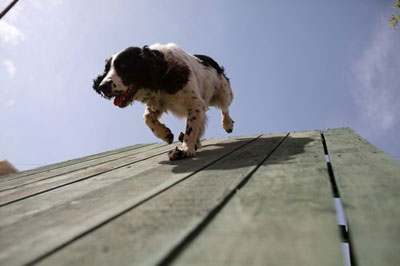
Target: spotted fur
166	78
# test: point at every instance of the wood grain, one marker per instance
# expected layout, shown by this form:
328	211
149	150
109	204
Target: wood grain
369	185
284	215
44	182
76	214
146	234
68	162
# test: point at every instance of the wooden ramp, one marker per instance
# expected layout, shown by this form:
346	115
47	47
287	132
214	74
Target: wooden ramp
255	200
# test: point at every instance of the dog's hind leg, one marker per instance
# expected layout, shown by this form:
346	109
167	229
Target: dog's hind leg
227	122
151	118
222	99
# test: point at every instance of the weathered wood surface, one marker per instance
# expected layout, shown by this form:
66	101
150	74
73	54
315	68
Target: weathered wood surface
27	238
284	215
39	183
69	162
257	200
57	171
165	221
369	184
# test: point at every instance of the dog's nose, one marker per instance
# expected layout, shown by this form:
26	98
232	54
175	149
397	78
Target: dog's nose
105	87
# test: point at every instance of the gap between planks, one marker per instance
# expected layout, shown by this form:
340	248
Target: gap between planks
271	220
98	221
368	181
45	168
81	165
61	180
247	157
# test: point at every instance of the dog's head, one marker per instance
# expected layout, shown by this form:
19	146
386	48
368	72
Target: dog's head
128	71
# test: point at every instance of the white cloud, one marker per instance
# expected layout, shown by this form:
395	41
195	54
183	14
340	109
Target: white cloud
377	80
10	67
10	34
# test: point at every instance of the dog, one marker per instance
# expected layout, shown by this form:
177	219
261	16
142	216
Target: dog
167	79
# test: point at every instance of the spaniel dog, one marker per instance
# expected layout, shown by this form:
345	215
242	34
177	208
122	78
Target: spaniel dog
166	78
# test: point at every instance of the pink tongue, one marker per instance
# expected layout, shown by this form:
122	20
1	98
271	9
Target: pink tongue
118	100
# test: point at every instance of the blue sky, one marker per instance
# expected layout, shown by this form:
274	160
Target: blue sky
293	66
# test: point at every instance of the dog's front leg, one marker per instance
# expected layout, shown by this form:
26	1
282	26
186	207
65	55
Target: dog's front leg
151	118
194	129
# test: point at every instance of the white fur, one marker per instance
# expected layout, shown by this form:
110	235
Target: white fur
205	88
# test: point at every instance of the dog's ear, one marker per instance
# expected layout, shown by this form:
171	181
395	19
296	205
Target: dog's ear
99	78
164	75
153	66
97	81
175	78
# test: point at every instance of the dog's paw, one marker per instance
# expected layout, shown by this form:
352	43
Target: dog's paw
178	154
197	145
168	137
181	136
228	125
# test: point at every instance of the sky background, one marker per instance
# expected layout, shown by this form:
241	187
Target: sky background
293	66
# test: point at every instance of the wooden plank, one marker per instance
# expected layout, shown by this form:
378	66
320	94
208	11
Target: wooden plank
146	234
78	184
68	162
69	168
41	233
47	183
369	185
284	215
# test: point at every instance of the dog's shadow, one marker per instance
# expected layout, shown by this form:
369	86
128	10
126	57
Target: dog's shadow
241	153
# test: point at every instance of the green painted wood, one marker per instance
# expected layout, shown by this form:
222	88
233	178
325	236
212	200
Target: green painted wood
51	181
146	234
69	168
45	168
284	215
34	235
369	185
78	184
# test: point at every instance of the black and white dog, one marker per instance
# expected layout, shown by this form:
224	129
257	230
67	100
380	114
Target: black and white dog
166	78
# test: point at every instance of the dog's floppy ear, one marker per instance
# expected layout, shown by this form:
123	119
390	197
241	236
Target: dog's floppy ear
153	66
99	78
167	76
97	81
175	78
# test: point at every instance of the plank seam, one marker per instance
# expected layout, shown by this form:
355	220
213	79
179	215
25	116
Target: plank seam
345	234
115	216
58	167
72	171
181	246
78	180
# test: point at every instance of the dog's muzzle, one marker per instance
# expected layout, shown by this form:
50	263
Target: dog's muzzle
105	88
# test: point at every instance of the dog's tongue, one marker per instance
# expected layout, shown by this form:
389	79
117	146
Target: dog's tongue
119	100
124	97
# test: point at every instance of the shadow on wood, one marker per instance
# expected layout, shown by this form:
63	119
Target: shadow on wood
239	158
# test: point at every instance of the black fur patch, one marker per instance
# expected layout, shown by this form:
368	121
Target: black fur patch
147	68
188	131
176	154
209	62
99	78
181	136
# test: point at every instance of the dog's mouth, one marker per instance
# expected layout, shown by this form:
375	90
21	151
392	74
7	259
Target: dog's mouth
125	98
